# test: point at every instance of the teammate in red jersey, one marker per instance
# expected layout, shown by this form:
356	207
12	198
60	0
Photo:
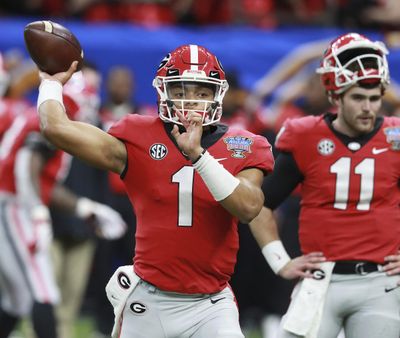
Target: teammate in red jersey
190	179
348	165
30	173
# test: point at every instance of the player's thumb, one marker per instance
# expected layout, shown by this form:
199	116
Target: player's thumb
175	132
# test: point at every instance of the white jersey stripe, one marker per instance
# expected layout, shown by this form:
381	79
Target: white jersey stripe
194	57
44	287
23	181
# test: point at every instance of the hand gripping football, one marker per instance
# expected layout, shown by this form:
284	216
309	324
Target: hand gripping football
52	47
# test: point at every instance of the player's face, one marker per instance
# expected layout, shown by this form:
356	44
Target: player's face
358	108
191	96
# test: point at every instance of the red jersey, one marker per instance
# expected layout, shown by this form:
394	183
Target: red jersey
9	109
350	192
185	241
22	127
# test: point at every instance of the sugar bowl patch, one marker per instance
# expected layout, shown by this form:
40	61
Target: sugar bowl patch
238	145
393	137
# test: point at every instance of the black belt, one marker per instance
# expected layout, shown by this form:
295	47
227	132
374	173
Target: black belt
355	267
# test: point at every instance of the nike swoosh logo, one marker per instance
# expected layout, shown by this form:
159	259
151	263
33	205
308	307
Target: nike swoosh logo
213	301
377	151
388	289
221	159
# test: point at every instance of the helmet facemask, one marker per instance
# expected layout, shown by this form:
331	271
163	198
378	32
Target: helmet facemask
174	97
357	61
368	67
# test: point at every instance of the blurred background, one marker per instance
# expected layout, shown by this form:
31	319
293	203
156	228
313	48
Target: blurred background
269	49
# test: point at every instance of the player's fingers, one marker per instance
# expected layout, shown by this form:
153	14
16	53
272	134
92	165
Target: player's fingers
393	270
392	258
175	132
315	254
193	118
311	266
307	274
73	67
182	118
71	70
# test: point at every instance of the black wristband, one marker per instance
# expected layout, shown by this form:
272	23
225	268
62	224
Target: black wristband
200	156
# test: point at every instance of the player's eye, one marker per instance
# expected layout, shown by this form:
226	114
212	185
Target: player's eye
375	98
177	94
205	94
358	97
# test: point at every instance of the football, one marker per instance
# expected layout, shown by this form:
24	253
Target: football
52	46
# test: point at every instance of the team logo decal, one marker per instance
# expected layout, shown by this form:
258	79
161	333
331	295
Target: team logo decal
124	281
239	145
138	308
326	147
393	137
164	61
158	151
318	274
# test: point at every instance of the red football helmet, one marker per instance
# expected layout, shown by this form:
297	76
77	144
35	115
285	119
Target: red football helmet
353	58
193	64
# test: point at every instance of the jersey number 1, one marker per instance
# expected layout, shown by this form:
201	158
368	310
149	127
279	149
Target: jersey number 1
366	169
184	177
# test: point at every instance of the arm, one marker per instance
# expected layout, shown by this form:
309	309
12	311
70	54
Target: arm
82	140
278	186
247	199
241	195
107	222
265	231
288	67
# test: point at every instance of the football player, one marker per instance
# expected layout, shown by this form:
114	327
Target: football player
348	166
31	170
190	179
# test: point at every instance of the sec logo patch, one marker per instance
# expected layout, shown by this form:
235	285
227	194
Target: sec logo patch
158	151
326	147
